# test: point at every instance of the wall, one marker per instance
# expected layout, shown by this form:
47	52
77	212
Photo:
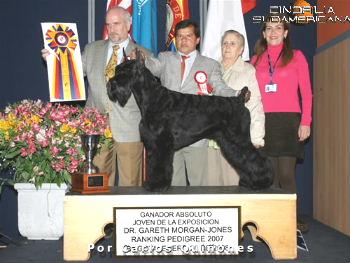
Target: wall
21	42
329	31
332	100
332	137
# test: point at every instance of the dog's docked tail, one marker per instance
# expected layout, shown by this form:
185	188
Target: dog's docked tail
244	96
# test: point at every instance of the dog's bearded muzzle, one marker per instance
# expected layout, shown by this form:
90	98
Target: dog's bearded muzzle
117	92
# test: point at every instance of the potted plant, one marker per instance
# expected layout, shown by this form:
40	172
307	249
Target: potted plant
40	147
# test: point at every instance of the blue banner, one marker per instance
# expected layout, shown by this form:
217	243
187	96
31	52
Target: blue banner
144	24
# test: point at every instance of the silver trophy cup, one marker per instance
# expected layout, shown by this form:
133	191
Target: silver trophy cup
89	144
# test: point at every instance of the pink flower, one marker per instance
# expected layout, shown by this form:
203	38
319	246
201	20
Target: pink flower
36	131
24	152
50	133
55	150
72	151
44	143
31	148
58	165
73	167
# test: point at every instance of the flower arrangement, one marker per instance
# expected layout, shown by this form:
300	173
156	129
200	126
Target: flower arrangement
40	142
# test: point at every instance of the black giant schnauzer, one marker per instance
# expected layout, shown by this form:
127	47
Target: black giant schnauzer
172	120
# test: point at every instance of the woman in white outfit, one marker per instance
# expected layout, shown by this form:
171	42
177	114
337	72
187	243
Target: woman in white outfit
237	74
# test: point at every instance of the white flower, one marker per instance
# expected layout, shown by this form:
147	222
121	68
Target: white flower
32	180
7	110
38	103
41	135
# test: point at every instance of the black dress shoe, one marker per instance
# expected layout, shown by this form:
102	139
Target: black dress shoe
109	229
302	226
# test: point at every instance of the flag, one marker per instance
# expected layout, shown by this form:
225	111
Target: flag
223	15
144	24
248	5
122	3
177	10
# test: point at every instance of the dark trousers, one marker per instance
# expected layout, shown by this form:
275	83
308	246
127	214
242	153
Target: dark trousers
284	170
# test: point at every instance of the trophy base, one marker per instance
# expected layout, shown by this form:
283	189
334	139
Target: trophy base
90	183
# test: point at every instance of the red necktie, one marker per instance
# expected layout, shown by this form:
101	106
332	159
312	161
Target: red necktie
183	65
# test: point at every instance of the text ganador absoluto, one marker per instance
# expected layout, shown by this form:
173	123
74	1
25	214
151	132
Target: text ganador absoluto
177	214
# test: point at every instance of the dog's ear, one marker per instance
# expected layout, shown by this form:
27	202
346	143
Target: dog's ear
123	95
140	57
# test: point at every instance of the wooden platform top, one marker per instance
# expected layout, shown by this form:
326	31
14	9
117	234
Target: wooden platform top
189	190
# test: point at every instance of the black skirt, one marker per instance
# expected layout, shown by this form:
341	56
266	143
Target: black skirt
281	134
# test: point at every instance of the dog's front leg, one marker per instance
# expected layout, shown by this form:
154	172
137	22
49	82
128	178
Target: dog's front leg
160	154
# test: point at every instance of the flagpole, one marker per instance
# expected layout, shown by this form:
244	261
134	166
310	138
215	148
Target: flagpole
91	20
203	10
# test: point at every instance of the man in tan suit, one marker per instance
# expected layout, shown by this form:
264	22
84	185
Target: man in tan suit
124	121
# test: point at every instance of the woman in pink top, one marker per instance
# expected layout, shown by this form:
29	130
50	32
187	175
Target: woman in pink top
284	83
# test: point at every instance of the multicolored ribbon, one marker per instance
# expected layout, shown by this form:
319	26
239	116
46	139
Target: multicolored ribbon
204	88
66	82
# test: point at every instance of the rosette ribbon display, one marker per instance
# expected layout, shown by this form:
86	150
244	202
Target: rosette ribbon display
67	82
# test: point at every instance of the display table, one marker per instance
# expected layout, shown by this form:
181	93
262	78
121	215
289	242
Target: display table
272	211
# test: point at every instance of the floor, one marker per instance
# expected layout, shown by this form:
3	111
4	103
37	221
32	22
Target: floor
324	244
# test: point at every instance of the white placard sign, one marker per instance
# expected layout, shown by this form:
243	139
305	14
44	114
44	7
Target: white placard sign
177	231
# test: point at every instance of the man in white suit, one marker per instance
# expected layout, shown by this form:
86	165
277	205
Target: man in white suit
182	71
124	121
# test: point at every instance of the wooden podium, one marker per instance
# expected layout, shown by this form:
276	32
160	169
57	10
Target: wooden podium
272	211
90	183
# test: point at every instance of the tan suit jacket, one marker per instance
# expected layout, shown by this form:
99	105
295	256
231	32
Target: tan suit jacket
124	121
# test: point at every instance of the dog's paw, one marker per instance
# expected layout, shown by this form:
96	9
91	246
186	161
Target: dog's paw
262	184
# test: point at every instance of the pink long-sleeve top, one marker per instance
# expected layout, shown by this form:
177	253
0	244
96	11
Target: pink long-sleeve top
295	75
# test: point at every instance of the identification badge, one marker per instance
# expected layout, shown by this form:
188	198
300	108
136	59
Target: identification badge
272	87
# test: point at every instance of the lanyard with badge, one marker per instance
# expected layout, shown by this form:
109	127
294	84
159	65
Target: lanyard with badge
272	87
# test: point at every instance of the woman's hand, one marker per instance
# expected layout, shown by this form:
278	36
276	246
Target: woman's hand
257	146
303	132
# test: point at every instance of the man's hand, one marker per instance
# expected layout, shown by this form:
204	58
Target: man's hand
45	53
137	52
132	54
